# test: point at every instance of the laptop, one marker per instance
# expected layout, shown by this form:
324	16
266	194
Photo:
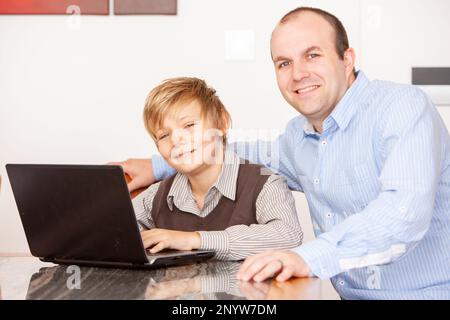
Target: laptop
83	215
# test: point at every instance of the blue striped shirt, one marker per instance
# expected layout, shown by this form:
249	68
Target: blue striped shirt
377	181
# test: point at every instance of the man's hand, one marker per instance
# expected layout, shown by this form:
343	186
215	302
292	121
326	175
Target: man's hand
140	171
284	264
161	239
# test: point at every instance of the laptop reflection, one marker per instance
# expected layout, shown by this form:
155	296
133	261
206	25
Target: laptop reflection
202	281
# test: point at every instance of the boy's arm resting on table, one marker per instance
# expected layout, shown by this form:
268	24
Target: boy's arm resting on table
276	215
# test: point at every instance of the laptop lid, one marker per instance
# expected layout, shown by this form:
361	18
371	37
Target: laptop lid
77	212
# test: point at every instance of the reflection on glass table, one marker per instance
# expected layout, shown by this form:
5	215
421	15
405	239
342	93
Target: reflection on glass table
215	280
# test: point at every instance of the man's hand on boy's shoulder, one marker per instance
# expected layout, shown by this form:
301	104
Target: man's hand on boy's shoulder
140	171
160	239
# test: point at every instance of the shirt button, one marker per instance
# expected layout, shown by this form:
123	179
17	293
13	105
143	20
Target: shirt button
316	181
329	214
403	210
341	282
324	143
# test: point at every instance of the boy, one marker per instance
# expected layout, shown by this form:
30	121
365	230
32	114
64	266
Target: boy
215	201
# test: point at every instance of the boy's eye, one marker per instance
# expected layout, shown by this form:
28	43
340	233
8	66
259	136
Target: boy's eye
165	135
189	125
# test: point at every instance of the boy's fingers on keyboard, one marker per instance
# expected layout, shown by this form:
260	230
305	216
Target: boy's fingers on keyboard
150	239
160	246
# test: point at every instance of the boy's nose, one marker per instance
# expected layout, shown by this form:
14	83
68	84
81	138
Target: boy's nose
179	136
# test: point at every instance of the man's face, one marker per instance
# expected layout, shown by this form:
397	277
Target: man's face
187	141
310	74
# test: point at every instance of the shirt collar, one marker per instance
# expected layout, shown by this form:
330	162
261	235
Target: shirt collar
226	184
346	107
308	129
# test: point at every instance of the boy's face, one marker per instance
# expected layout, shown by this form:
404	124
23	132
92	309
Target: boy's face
187	141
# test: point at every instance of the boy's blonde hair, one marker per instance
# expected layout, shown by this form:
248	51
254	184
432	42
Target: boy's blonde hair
172	93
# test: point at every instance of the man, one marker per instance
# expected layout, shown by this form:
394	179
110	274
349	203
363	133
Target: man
373	159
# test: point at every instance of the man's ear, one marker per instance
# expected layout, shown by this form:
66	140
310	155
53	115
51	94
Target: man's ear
349	60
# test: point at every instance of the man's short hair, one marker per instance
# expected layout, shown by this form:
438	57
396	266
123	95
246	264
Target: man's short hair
341	39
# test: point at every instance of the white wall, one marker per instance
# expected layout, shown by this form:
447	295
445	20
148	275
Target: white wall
75	95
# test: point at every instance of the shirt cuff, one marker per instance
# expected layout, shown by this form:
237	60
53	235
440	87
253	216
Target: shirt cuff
215	240
320	257
161	169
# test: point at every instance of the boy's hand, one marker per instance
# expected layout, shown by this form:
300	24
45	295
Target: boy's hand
140	171
170	239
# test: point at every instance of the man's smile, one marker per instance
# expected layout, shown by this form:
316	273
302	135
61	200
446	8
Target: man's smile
305	90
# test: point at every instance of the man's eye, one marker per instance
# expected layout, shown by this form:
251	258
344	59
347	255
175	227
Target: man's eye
313	55
283	64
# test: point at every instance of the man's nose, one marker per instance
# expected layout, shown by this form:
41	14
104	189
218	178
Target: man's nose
299	71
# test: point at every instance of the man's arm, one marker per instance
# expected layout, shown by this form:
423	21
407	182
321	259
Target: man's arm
139	170
393	223
277	155
412	141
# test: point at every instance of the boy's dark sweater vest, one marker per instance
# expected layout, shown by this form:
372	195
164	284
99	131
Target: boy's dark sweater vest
227	213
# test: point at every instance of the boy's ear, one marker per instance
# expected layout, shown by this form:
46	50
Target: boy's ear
226	123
